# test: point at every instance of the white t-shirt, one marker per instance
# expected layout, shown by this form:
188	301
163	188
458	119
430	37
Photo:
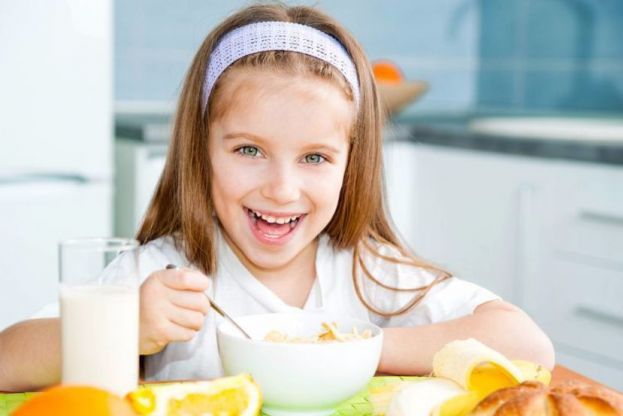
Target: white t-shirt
239	293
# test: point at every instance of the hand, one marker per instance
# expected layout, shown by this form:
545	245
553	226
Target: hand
173	308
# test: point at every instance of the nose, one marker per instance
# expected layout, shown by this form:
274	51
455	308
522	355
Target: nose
282	184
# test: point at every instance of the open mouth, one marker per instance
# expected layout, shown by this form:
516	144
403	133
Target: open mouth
273	229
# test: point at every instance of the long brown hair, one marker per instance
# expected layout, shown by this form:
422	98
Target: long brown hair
182	205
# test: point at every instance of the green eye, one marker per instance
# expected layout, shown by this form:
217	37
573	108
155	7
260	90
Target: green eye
249	151
314	158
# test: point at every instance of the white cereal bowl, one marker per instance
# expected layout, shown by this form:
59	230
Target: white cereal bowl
300	378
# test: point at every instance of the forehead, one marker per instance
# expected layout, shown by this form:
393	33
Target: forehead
282	105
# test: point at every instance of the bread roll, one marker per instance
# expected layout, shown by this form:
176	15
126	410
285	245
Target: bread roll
535	399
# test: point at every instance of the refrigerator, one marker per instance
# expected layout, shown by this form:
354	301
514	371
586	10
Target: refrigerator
56	141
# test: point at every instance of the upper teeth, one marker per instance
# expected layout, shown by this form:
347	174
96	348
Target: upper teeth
280	220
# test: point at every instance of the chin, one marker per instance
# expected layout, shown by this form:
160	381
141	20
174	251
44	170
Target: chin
274	259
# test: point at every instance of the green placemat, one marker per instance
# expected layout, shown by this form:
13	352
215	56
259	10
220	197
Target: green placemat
356	406
359	404
9	402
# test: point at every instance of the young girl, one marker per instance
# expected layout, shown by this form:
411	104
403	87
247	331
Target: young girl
271	199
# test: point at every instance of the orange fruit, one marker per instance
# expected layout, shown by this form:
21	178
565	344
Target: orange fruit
387	72
75	401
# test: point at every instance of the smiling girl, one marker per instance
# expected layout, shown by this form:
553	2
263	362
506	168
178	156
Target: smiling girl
272	200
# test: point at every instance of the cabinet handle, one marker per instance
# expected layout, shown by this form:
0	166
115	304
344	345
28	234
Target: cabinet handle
600	314
607	219
42	178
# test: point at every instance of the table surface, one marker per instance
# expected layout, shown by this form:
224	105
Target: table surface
560	374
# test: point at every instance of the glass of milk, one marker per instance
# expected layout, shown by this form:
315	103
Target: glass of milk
99	282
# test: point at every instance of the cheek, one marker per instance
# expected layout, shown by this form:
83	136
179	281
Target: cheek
326	190
232	180
333	192
225	182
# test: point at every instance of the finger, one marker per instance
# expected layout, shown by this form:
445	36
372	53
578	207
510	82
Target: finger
185	279
188	299
187	318
178	333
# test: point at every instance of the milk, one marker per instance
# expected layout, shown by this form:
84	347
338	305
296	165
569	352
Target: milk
100	336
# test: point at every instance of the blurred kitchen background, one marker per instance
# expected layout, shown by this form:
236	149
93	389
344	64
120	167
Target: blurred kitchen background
508	170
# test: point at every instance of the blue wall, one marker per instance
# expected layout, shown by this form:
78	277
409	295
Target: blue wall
551	55
501	54
436	41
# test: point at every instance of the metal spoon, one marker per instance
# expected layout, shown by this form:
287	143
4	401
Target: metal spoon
217	308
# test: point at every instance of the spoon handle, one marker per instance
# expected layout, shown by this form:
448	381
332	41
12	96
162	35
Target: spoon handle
226	316
217	308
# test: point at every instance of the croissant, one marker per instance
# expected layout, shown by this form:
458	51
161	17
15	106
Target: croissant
535	399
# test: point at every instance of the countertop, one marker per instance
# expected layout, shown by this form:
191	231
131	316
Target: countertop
452	130
437	129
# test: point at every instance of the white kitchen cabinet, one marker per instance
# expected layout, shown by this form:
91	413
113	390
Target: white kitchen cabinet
138	166
38	213
400	177
544	234
56	96
467	213
576	285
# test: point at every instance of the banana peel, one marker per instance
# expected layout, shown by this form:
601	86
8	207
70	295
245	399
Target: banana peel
533	371
421	398
474	368
459	405
380	397
486	379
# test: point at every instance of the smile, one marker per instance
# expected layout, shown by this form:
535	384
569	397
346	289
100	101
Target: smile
292	220
273	228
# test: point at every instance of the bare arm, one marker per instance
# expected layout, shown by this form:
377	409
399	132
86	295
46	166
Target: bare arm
497	324
173	308
30	355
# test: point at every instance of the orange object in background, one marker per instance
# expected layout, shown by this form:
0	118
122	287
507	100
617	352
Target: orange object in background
75	401
387	72
395	92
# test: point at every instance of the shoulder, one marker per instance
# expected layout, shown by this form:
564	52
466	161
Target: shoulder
157	254
448	298
394	265
165	245
386	262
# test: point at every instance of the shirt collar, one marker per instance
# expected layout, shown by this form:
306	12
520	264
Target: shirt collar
229	264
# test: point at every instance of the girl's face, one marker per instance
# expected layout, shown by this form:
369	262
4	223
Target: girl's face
278	157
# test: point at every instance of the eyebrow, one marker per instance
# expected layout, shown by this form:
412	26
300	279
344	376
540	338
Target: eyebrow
240	135
314	146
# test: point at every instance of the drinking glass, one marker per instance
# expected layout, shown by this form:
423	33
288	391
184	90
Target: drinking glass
99	281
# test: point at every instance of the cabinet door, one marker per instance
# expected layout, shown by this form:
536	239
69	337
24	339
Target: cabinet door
400	170
138	168
56	88
150	162
580	307
471	217
576	288
544	234
39	213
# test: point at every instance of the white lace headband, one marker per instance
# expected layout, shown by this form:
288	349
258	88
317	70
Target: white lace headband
278	36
